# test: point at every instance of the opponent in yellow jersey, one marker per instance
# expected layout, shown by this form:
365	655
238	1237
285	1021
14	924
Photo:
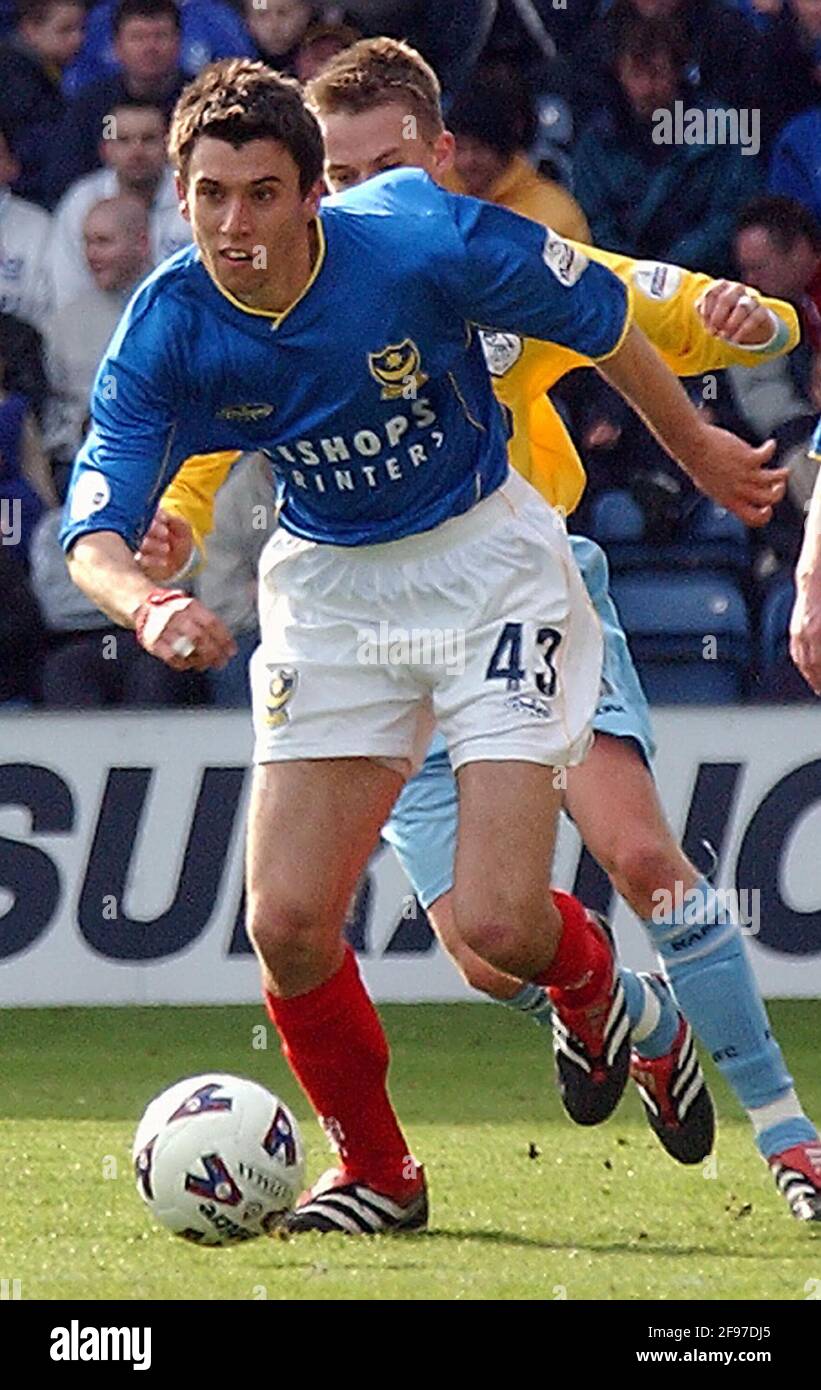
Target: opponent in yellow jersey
664	302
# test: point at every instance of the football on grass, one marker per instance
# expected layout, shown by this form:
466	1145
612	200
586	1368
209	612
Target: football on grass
218	1159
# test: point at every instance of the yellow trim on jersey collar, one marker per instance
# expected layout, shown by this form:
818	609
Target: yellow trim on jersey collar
272	313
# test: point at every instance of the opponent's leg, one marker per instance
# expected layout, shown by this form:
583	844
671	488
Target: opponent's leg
422	830
301	874
615	804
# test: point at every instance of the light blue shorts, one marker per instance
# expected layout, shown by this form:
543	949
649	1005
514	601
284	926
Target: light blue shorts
422	828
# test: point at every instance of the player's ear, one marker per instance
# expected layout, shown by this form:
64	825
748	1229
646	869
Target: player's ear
182	195
312	198
444	150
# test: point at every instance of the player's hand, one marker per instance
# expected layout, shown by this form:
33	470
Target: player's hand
187	636
734	475
166	547
729	311
805	633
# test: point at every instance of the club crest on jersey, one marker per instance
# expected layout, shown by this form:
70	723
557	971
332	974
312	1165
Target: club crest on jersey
502	351
247	413
398	369
280	691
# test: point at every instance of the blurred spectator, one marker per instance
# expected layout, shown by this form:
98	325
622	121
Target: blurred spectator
321	43
21	634
135	164
718	59
32	106
451	34
645	189
211	29
760	13
147	45
25	285
117	253
243	521
790	79
795	168
21	348
491	137
778	250
26	484
277	28
89	662
530	32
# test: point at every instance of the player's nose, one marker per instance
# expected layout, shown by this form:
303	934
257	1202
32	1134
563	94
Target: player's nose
235	217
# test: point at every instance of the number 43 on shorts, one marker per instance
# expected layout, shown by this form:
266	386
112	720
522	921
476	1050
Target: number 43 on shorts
506	661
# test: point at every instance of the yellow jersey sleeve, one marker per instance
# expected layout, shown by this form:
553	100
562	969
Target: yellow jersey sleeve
664	299
191	492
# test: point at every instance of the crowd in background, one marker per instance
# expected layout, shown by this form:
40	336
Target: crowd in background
554	108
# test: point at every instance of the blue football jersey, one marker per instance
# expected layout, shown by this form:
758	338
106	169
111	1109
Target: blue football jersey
370	394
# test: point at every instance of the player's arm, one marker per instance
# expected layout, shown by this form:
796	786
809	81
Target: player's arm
720	463
805	624
174	544
697	323
120	470
513	276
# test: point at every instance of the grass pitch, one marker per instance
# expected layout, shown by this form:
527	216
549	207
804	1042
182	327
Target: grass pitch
524	1205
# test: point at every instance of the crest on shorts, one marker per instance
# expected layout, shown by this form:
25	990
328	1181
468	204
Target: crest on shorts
398	369
280	690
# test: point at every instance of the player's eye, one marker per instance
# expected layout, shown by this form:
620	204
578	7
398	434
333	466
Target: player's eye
263	195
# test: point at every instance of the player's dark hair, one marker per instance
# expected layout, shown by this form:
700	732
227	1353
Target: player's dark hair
375	72
238	100
144	9
496	108
783	218
38	11
644	39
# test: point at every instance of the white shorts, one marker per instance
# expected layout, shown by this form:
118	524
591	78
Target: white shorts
481	625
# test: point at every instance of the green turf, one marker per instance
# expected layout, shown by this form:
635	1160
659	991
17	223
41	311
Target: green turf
524	1205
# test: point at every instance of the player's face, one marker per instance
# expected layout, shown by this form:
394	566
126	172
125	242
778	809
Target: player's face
249	218
768	268
359	146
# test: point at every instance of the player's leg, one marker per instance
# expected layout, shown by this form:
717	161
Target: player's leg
702	947
334	741
422	830
301	874
614	801
517	712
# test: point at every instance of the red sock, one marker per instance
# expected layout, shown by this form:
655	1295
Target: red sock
337	1050
582	964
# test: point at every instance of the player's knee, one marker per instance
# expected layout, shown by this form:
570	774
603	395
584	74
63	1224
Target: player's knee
514	928
641	866
288	937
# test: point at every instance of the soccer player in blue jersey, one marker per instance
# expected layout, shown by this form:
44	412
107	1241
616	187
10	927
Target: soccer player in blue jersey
340	340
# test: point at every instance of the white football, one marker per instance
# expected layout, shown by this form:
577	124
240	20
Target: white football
218	1159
